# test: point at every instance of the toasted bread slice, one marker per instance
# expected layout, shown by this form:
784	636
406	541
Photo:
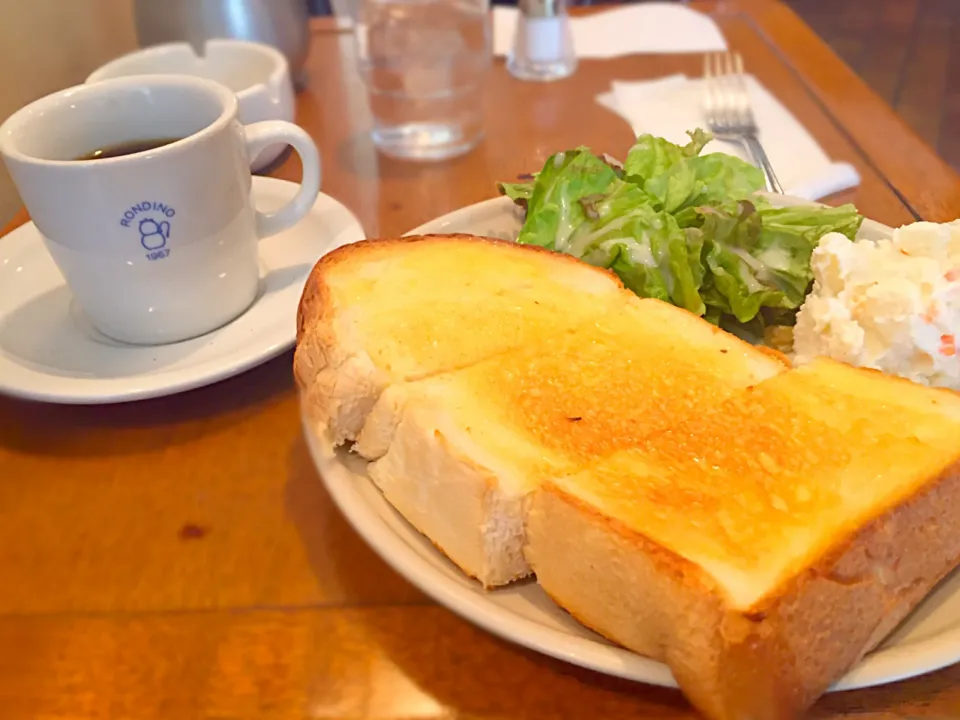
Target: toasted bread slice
378	312
458	453
762	546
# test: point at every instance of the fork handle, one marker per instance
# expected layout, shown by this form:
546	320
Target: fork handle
760	158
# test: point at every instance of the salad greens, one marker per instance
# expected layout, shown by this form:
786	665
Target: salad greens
682	227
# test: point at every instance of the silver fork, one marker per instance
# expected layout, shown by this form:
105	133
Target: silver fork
726	105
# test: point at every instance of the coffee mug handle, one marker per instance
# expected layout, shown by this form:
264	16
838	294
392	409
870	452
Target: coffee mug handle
263	134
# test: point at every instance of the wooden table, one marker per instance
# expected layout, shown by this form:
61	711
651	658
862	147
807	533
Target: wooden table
179	558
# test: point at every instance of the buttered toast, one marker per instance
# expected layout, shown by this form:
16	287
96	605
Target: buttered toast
458	453
467	369
761	547
756	527
377	312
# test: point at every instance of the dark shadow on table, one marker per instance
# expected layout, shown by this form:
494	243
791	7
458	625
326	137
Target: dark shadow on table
141	426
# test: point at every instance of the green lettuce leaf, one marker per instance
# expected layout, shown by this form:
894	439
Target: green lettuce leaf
520	193
749	266
662	169
758	259
722	178
678	178
682	227
651	156
554	210
673	189
811	221
643	246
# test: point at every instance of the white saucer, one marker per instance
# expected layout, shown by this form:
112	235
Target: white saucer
49	351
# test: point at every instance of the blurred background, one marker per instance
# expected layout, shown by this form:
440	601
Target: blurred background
46	45
908	51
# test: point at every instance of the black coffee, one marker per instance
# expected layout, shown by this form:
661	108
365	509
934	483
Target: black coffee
126	148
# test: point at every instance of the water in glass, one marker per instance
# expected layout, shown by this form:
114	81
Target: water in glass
425	63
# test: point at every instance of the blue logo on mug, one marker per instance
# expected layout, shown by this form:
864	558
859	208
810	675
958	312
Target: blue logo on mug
153	225
153	234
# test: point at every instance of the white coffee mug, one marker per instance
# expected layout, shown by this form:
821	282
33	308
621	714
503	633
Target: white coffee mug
160	245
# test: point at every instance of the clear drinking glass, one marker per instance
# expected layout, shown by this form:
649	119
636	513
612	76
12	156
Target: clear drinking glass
425	63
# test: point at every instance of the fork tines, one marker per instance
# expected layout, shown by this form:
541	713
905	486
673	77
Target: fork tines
726	101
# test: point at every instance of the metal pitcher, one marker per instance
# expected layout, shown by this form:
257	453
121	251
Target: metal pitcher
283	24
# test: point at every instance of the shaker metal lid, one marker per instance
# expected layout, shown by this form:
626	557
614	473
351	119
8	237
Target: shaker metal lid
541	8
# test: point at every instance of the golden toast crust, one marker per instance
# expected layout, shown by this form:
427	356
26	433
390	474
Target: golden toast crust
316	338
315	297
776	658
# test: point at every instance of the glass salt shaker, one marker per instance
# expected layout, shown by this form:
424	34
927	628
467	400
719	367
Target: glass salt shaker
543	45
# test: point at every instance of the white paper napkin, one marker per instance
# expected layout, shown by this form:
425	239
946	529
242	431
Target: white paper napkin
645	28
668	107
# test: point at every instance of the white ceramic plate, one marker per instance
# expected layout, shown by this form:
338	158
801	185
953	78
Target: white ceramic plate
49	351
522	613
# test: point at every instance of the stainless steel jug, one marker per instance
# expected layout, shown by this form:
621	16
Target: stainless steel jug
283	24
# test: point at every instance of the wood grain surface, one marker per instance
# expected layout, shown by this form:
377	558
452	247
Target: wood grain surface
924	182
907	51
179	557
